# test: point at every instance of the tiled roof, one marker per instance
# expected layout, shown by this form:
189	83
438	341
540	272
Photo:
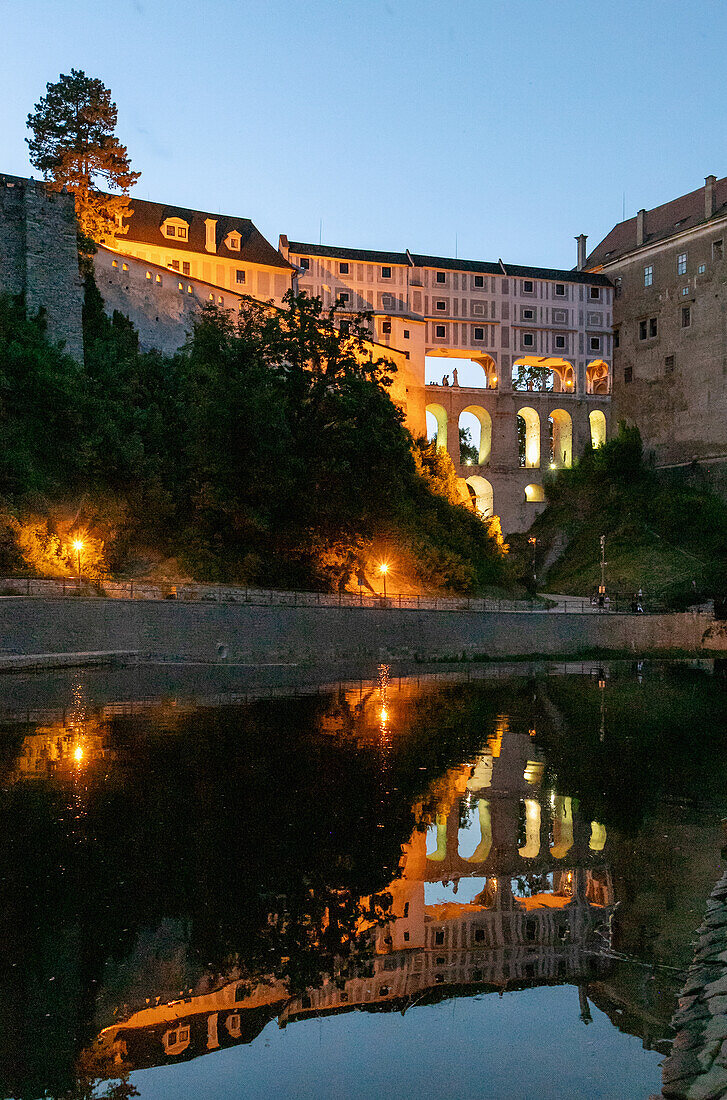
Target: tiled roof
147	217
659	224
443	263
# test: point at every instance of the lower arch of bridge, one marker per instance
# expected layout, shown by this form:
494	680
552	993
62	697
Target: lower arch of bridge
485	421
534	493
561	435
481	493
597	377
528	425
597	421
440	416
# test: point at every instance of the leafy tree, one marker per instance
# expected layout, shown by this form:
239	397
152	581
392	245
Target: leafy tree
467	451
74	145
532	378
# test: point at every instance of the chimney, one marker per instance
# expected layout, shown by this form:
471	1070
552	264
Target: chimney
640	220
581	251
710	196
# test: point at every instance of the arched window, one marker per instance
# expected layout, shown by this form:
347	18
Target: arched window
481	493
528	433
598	428
437	425
561	437
479	423
534	493
597	377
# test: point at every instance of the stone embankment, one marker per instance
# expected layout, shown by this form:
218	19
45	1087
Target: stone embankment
696	1069
234	633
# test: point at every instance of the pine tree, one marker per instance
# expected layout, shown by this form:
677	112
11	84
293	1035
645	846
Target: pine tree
75	147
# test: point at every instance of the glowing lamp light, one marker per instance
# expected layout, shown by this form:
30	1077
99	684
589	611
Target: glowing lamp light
78	754
552	465
77	544
383	570
384	714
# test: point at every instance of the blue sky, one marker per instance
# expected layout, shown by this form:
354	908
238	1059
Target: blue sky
496	128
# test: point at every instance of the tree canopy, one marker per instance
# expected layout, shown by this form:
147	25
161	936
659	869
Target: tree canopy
74	145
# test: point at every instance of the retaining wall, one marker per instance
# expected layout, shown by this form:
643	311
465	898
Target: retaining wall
230	632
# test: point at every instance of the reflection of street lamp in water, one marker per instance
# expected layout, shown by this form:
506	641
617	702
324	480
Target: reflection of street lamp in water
384	569
78	547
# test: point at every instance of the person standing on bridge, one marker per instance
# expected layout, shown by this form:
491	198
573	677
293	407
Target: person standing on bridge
455	379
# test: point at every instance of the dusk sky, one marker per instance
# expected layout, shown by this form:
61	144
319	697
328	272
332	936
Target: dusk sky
496	129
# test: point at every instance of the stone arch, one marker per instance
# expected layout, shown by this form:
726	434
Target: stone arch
598	377
440	415
597	421
481	493
528	423
534	493
564	378
485	431
561	455
489	366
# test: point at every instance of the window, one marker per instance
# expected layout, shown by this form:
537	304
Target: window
560	316
528	314
344	297
701	269
595	343
384	991
617	286
343	269
716	250
441	304
439	937
114	263
440	332
686	316
171	230
240	275
173	265
189	288
479	935
642	330
148	275
560	290
560	341
386	326
479	334
479	281
528	286
124	267
385	272
406	333
652	326
595	292
406	937
648	275
669	364
159	280
628	374
305	263
527	339
616	337
387	301
441	277
406	908
180	287
344	327
685	291
682	263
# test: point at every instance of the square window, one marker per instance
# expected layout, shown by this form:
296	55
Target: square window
479	334
386	326
528	286
479	280
560	341
441	305
173	265
182	232
385	272
344	298
686	316
171	231
527	339
406	333
440	332
628	374
685	291
648	275
682	263
595	343
406	937
528	314
185	269
479	935
716	250
595	292
701	269
343	269
441	277
560	290
642	330
240	275
439	937
305	263
652	326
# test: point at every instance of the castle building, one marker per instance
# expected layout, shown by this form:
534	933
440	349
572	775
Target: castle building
550	325
668	269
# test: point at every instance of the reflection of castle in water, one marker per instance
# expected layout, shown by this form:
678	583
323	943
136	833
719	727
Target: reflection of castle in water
501	886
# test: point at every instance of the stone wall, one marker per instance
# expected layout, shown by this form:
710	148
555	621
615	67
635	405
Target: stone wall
39	256
226	633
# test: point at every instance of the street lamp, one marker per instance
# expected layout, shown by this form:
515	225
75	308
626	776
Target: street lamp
534	542
78	547
384	569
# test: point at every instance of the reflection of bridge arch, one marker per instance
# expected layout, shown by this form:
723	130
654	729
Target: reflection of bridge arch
485	430
597	421
562	439
481	493
440	415
529	431
597	377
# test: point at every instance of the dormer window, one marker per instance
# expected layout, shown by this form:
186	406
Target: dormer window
232	240
175	227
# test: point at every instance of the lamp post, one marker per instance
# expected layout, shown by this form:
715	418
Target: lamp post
384	569
602	587
78	547
534	542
